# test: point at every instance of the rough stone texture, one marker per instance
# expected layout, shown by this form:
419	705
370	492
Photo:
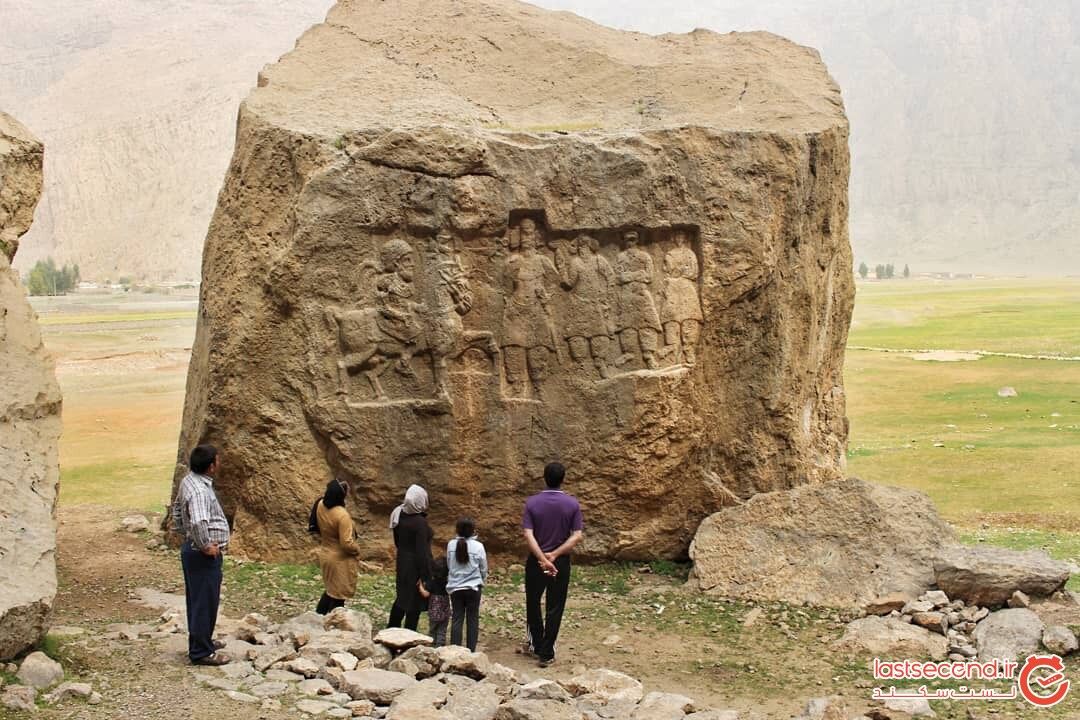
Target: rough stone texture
40	671
478	702
29	416
840	544
398	639
19	697
988	576
890	637
607	685
663	706
460	661
518	709
1060	640
537	128
1011	634
379	686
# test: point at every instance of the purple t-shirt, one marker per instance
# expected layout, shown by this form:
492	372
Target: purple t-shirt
553	516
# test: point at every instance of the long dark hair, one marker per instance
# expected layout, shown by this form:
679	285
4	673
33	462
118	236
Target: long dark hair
336	490
465	529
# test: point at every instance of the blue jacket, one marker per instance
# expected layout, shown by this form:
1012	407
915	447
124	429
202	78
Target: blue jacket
470	575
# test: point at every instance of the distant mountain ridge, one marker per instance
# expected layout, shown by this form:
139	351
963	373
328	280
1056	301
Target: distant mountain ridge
965	119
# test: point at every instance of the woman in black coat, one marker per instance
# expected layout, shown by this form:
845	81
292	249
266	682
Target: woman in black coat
412	538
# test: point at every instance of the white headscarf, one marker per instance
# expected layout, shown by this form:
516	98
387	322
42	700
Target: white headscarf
416	502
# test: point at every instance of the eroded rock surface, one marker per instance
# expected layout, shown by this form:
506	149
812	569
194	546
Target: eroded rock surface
841	544
29	416
460	240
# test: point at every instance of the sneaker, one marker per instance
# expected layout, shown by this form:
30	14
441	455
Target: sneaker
546	662
525	649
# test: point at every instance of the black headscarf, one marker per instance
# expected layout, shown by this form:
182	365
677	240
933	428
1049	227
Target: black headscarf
333	497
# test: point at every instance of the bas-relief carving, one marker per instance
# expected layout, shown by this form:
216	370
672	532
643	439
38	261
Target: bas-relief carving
568	307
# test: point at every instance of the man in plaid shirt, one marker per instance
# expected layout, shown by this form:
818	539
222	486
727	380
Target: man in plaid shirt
197	516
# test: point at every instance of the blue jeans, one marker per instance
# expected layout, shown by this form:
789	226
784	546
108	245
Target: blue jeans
202	589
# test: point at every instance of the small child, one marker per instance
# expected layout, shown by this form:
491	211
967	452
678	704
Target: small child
438	601
467	560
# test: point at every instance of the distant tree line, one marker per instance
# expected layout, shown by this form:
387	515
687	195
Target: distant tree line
882	272
46	278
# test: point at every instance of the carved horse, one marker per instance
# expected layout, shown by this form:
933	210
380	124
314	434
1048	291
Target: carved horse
369	349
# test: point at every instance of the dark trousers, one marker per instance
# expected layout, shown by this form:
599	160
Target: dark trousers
465	608
202	590
544	627
327	603
398	614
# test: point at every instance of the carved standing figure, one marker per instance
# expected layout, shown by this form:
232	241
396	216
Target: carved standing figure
636	319
528	332
681	310
587	327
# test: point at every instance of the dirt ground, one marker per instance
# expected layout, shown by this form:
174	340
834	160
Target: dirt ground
645	624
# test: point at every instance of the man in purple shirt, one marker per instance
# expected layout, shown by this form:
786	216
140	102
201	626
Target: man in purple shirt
553	526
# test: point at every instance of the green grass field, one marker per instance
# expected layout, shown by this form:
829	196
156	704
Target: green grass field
1003	469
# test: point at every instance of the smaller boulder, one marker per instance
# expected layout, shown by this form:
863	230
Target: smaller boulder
1019	600
605	684
66	690
19	697
379	686
885	604
543	689
135	523
400	639
461	661
1060	640
343	618
1008	635
663	706
988	576
892	637
40	671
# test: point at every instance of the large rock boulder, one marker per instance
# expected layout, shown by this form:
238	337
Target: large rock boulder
841	544
29	416
461	239
988	576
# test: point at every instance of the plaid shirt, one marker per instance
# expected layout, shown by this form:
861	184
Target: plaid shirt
197	514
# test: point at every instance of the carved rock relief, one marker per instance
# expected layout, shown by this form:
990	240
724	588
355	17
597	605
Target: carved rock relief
555	306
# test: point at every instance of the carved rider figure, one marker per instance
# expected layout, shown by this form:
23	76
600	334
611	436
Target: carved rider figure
681	309
587	326
636	319
399	316
528	332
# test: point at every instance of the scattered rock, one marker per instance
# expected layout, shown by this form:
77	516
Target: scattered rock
19	697
379	686
605	684
459	660
477	702
543	689
1008	634
891	637
988	576
936	597
242	697
135	523
1060	640
399	639
886	604
269	689
303	666
343	618
314	707
518	709
40	671
663	706
1019	600
933	621
66	690
1007	392
272	654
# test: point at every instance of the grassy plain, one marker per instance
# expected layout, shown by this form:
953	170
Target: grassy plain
1003	469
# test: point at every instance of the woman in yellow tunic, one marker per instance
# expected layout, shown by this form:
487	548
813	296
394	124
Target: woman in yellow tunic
338	552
